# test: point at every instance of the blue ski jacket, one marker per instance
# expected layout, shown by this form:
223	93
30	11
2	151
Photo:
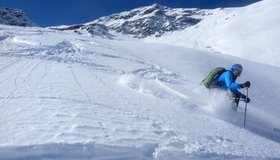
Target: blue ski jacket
227	81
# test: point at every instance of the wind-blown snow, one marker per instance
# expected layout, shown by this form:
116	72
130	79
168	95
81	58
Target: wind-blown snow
73	96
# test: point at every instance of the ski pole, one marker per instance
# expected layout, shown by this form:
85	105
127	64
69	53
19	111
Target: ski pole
246	105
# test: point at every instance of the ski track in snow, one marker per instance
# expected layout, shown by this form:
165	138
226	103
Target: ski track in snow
66	101
39	100
71	131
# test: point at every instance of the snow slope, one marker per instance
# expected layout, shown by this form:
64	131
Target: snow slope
67	95
250	32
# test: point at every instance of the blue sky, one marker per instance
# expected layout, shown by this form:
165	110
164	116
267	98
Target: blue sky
59	12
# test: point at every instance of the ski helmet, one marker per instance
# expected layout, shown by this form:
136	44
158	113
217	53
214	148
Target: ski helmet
237	69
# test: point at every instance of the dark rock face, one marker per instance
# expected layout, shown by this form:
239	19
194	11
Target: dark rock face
14	17
141	22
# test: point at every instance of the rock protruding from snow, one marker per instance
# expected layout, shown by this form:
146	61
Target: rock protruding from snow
14	17
152	20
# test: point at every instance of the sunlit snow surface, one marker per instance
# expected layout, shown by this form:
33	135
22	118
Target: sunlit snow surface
250	32
65	95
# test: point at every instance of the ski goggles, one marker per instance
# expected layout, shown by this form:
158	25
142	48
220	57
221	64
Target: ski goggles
237	72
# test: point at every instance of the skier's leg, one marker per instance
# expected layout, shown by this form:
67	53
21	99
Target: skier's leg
235	101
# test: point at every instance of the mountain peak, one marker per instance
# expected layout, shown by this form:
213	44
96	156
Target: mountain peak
14	17
157	6
153	20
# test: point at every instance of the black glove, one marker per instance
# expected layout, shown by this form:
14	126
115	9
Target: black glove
246	84
247	99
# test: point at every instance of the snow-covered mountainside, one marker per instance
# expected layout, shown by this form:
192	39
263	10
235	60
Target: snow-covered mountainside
152	20
250	32
71	95
15	17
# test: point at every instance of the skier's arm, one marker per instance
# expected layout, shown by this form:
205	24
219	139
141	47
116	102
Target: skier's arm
232	86
229	83
237	92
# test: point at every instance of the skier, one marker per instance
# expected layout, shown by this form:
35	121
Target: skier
227	81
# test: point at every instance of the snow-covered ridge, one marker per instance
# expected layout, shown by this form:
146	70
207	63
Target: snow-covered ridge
251	32
15	17
141	22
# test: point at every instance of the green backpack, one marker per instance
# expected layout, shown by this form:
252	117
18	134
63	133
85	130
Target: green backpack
213	76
